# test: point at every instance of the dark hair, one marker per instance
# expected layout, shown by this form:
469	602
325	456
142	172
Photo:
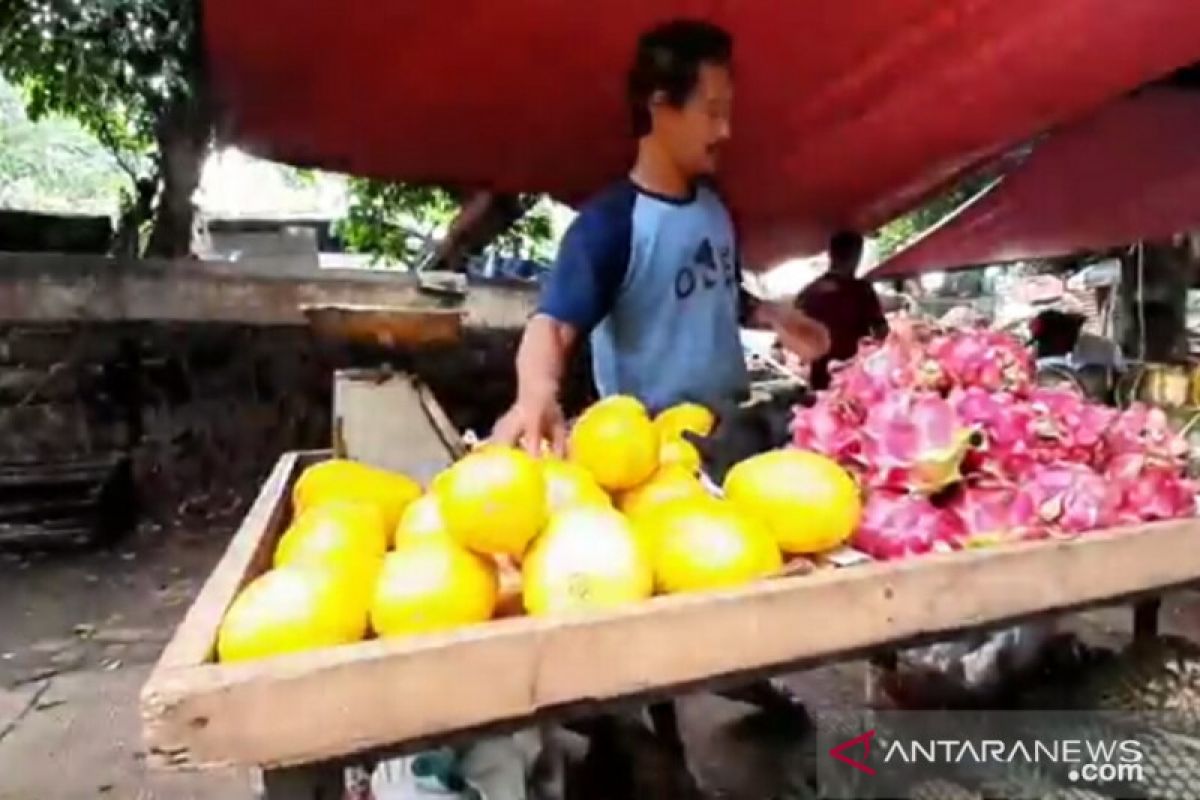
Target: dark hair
668	60
845	246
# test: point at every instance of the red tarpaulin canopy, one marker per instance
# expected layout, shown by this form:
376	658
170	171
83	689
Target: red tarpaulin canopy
1131	171
847	113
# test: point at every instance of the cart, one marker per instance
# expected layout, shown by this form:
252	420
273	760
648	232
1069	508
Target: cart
302	718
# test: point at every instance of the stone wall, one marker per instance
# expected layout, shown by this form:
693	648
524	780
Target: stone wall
202	373
205	408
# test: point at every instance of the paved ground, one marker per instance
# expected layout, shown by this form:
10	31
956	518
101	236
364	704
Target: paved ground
77	736
80	631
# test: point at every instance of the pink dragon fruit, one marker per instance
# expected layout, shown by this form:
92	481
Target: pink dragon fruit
1005	424
1150	489
896	525
1068	427
1071	497
1145	430
993	513
879	368
983	359
922	411
830	427
914	441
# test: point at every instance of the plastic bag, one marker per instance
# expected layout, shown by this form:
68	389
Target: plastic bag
977	665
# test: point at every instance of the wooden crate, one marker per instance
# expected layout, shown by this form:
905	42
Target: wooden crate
322	705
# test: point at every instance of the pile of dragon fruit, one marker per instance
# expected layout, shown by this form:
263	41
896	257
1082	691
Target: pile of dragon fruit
956	446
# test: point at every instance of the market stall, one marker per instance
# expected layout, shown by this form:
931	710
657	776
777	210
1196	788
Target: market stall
394	694
897	558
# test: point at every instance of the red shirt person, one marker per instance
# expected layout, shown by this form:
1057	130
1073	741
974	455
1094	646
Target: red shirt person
845	304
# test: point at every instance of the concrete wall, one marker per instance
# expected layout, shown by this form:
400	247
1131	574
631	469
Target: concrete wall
269	291
205	375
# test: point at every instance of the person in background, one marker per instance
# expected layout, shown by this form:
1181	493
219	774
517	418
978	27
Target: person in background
845	304
650	268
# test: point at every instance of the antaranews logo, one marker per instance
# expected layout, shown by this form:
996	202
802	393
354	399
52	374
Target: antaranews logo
1028	750
838	751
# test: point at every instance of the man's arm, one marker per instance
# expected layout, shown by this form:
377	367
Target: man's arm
797	331
579	292
542	357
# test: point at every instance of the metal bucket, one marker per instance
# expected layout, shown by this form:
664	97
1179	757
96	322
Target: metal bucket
1163	385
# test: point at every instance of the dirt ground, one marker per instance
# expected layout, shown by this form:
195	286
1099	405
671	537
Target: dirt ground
102	609
80	630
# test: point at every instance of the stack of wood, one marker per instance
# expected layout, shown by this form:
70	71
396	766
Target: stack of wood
76	501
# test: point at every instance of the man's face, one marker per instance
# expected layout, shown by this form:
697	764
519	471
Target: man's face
694	134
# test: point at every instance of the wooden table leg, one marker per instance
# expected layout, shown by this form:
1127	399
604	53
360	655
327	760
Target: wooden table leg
879	666
319	781
666	725
1145	618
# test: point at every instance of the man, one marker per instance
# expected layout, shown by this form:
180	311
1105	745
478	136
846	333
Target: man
846	305
649	269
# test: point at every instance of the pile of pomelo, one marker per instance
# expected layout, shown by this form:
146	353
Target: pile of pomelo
624	517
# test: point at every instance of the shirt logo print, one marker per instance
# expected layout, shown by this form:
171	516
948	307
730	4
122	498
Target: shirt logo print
709	268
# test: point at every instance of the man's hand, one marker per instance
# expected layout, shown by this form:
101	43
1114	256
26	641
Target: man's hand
536	416
533	419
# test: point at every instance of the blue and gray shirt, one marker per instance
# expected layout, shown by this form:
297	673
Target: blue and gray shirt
656	283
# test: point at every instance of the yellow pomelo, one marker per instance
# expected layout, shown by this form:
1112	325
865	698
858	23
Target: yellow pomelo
616	443
356	579
290	609
672	422
588	558
668	483
808	502
341	479
681	453
705	543
432	585
421	520
334	533
620	402
569	484
493	501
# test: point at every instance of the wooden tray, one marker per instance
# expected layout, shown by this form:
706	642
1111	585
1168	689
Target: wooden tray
387	326
321	705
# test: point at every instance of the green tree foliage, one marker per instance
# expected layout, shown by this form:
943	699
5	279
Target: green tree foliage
398	223
53	165
903	229
129	71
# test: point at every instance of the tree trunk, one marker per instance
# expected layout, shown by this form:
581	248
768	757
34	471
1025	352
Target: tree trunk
482	216
138	210
184	140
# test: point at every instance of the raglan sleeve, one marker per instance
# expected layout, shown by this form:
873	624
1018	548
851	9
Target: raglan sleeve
588	271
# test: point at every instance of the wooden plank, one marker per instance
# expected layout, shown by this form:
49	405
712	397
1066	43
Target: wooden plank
379	693
445	429
248	552
381	418
386	326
